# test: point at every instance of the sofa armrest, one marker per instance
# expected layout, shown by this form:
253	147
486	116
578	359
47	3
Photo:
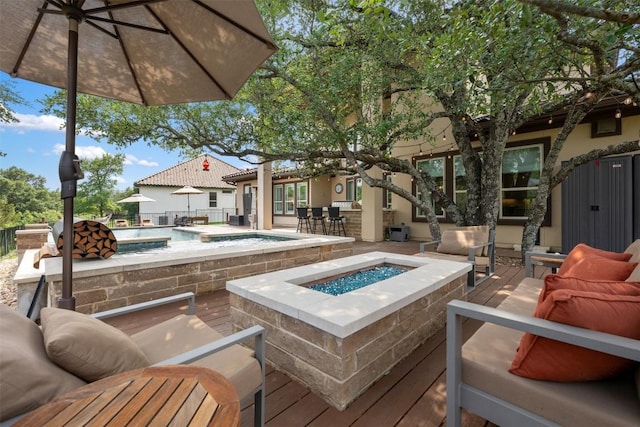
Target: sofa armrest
458	310
533	259
187	296
435	244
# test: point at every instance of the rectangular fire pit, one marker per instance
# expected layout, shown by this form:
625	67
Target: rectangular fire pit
340	345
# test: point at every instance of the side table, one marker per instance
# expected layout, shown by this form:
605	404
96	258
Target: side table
166	395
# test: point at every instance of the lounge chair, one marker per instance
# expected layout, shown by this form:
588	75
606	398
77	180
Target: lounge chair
147	223
473	244
121	223
31	376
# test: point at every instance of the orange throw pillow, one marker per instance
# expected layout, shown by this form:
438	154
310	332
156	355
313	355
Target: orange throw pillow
598	268
546	359
554	282
581	250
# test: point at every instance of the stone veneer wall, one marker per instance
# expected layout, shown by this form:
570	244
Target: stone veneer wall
353	221
106	290
32	237
340	369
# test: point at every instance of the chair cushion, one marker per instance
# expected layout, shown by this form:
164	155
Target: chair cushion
483	235
581	251
553	282
88	347
594	267
184	333
28	379
458	242
545	359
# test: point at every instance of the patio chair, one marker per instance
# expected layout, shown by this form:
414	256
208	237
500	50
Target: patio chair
336	221
182	221
147	223
121	223
473	244
318	216
84	351
303	220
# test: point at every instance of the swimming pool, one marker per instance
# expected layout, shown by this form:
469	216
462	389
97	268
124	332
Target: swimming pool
154	240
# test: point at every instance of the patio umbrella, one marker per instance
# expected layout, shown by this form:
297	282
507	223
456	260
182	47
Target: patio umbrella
136	198
150	52
187	189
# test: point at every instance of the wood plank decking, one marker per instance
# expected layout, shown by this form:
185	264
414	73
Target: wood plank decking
412	394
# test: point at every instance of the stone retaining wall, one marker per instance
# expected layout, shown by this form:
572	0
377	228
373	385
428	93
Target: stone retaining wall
108	288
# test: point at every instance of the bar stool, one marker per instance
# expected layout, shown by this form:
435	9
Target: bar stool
335	220
316	215
303	219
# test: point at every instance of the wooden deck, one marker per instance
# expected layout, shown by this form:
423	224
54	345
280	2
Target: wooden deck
412	394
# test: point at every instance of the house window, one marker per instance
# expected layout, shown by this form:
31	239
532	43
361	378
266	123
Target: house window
289	198
286	197
435	168
303	195
459	183
278	199
354	189
521	168
213	199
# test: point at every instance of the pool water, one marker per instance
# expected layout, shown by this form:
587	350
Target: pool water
359	279
180	244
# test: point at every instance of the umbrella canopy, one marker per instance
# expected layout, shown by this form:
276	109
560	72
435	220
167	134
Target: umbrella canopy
187	189
136	198
151	52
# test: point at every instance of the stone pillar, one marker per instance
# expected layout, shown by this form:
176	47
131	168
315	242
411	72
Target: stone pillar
265	196
372	229
33	238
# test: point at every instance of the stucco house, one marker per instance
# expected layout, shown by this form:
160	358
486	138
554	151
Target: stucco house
216	199
600	203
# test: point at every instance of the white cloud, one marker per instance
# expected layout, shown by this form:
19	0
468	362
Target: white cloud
133	160
32	122
91	152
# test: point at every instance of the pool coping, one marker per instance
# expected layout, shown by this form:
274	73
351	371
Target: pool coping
345	314
52	267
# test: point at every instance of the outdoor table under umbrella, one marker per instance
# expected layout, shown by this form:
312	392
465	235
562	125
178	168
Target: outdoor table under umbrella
136	198
187	189
151	52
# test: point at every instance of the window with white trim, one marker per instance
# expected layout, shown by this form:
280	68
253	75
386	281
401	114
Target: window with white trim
278	199
213	199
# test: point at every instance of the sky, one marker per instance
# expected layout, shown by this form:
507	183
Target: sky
36	142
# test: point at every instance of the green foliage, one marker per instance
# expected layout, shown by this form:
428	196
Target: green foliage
25	198
96	191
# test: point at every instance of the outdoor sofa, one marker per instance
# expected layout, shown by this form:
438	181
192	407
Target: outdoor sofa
564	392
40	364
473	244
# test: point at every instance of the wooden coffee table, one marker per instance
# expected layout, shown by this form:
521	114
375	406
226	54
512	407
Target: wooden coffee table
167	395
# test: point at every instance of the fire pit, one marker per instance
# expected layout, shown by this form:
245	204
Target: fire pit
339	345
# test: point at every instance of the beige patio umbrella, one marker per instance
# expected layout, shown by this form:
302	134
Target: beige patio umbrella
136	198
151	52
187	189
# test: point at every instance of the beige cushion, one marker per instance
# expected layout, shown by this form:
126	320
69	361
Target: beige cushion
487	356
184	333
28	379
635	275
458	242
87	347
483	235
634	247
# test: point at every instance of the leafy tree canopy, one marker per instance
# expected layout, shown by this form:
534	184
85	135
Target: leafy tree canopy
357	80
25	198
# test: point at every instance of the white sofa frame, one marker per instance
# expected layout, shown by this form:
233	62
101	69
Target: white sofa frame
489	407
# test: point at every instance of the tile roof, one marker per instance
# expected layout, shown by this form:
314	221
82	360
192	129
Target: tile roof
191	173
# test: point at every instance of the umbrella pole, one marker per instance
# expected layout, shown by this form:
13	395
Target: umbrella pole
69	169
